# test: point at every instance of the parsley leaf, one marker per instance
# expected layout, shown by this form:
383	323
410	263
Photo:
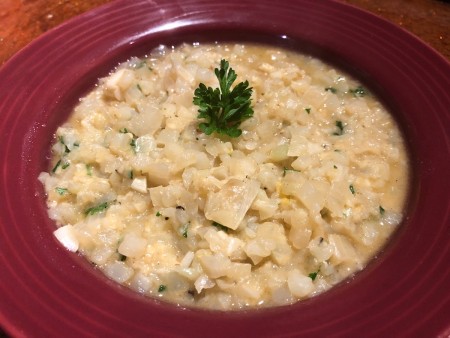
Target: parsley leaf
223	109
97	209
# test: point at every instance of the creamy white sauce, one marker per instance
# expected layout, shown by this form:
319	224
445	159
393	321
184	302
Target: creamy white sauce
306	196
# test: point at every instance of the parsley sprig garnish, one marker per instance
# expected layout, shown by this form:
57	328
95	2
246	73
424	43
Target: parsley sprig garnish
223	109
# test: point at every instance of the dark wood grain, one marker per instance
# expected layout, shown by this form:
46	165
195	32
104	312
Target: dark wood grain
427	19
24	20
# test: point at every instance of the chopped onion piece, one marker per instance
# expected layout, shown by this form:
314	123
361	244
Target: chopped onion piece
139	184
67	237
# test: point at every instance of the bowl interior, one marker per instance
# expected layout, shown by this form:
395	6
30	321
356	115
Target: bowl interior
378	54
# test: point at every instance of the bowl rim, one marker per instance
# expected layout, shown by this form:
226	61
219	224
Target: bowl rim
32	86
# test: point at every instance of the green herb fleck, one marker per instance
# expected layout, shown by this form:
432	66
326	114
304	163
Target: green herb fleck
308	110
158	214
313	275
123	130
65	165
220	227
223	109
334	166
331	89
131	174
162	288
61	191
89	169
61	140
122	258
286	170
340	127
184	230
358	91
133	144
140	64
382	211
139	87
56	166
352	189
97	209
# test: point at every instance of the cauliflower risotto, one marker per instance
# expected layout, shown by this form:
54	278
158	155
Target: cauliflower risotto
303	199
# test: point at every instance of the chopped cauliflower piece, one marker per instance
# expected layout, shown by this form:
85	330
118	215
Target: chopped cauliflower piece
66	235
229	205
299	284
139	184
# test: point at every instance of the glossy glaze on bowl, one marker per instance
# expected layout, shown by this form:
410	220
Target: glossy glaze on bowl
45	290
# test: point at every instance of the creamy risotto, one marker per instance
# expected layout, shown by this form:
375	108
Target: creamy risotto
304	198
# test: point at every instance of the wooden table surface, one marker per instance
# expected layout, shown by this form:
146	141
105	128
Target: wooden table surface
21	21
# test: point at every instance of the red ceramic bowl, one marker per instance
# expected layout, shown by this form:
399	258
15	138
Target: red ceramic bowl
48	291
